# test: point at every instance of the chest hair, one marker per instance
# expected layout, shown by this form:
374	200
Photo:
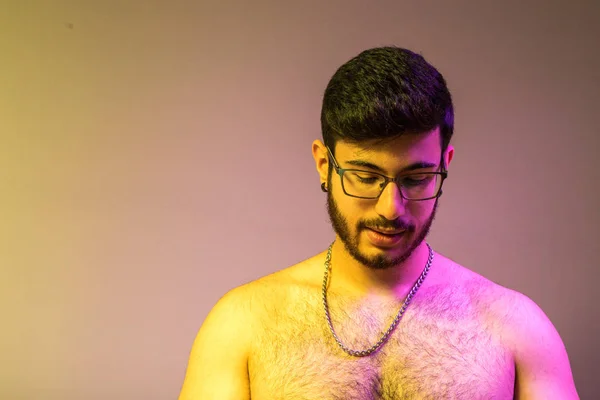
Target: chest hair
442	348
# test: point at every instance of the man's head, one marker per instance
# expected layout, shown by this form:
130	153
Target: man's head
386	111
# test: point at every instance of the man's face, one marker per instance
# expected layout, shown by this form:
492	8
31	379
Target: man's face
352	217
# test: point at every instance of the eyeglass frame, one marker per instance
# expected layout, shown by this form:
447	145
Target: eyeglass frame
340	171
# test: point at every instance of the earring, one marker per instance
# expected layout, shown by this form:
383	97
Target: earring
323	188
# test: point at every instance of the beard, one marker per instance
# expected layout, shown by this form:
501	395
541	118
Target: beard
351	241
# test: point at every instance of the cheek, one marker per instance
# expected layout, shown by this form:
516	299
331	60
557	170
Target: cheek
421	210
353	211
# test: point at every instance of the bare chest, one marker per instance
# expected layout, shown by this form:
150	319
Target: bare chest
436	352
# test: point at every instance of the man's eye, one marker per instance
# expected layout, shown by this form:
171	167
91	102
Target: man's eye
367	179
416	180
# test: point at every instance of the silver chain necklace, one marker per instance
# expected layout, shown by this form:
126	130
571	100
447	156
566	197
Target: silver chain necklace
385	336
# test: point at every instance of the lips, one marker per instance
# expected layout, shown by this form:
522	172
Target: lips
385	232
384	240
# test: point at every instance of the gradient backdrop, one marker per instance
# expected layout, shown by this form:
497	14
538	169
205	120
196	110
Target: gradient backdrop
155	154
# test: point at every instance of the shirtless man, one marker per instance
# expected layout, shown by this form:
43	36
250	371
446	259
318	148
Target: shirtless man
378	314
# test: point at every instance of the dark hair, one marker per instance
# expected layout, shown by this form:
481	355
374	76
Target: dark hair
383	93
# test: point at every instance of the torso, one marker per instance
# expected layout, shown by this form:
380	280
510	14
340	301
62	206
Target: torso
446	346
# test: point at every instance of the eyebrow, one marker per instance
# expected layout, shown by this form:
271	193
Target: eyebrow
410	167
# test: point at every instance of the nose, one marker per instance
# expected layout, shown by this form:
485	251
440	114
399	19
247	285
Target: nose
391	204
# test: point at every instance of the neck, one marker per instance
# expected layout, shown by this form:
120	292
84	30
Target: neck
349	277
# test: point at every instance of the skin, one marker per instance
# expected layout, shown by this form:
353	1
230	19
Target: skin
232	341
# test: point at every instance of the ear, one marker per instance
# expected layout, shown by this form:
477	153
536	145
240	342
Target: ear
449	155
321	156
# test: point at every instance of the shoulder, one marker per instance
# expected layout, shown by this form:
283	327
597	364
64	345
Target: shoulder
542	365
513	310
307	272
481	291
505	305
228	315
252	297
541	362
509	310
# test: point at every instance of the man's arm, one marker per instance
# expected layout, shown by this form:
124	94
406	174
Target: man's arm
218	363
542	365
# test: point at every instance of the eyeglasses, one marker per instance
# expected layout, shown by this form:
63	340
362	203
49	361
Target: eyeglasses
369	185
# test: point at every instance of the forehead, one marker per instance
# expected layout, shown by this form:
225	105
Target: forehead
405	149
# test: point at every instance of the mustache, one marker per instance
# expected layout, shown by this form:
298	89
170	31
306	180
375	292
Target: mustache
387	225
